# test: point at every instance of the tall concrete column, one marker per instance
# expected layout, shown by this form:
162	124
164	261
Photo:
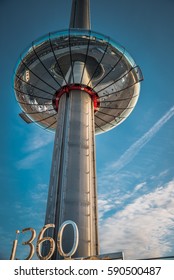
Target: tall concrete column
72	191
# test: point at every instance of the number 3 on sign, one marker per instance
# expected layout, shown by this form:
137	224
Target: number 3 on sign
42	239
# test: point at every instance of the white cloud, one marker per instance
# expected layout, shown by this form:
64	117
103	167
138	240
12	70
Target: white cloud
105	205
114	191
34	148
28	161
144	228
163	173
139	186
34	212
40	194
110	182
38	139
133	150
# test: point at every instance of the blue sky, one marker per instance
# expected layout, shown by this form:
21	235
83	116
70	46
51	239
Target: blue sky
135	161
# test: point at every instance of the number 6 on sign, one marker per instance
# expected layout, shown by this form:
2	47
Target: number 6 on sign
42	239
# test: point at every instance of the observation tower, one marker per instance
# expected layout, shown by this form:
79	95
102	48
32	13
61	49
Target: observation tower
78	83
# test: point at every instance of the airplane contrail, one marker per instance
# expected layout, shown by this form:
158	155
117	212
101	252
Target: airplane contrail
133	150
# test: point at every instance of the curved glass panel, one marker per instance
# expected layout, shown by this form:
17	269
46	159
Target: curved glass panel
40	40
117	46
129	58
26	52
59	34
80	32
100	37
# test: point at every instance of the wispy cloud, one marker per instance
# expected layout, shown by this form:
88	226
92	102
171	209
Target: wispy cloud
33	148
38	139
28	161
39	196
140	186
133	150
144	227
120	190
30	215
105	204
136	213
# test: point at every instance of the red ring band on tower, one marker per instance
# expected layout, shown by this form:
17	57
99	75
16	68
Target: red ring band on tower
68	88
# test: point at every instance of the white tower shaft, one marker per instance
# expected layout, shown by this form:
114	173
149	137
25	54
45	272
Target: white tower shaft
72	190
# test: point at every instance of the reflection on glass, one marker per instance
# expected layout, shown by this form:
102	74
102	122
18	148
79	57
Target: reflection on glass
48	65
